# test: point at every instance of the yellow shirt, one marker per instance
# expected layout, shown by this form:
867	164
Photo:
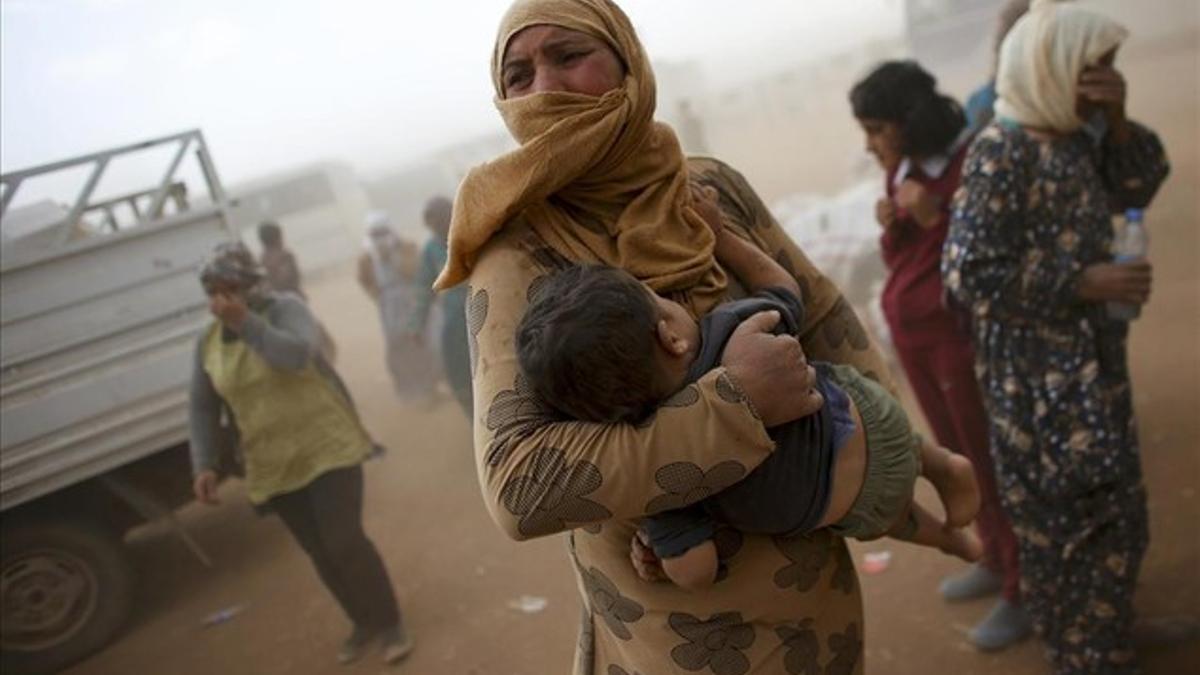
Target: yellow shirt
293	425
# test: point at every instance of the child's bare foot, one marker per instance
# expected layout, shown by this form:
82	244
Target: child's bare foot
964	544
955	483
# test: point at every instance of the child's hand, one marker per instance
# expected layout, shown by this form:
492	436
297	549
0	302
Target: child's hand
915	198
885	212
706	205
645	563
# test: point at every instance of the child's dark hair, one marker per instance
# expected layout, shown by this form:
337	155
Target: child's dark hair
587	344
270	234
905	93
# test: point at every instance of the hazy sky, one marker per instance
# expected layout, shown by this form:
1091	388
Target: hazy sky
378	83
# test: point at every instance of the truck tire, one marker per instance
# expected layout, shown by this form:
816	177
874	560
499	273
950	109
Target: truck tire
65	591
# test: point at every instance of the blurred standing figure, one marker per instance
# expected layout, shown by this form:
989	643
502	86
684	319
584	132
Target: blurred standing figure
920	138
280	264
1029	252
456	357
300	437
387	271
979	105
283	276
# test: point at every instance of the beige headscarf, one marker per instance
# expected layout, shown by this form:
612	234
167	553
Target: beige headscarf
596	177
1042	58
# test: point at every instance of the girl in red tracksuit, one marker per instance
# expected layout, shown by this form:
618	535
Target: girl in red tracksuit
920	139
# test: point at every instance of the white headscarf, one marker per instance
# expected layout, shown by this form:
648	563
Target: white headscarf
1041	60
378	243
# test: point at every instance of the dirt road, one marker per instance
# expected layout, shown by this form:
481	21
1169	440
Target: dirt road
458	578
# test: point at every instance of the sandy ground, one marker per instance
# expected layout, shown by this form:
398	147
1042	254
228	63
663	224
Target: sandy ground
457	576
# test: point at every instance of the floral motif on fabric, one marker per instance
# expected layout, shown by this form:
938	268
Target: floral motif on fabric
513	412
686	483
607	602
716	644
553	494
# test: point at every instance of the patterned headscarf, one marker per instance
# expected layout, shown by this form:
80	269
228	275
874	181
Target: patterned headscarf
232	263
596	177
1037	81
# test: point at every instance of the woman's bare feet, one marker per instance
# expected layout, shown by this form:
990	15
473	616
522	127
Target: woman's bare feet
963	543
953	476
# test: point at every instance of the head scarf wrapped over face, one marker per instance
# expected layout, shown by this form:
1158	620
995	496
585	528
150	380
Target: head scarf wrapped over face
596	177
232	264
1041	59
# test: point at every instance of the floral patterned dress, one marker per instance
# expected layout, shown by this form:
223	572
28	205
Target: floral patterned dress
1029	217
781	605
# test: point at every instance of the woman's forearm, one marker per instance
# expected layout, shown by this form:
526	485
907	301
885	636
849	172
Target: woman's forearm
287	338
1135	169
204	416
831	330
754	268
541	474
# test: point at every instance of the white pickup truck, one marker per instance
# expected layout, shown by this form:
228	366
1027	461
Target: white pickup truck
99	309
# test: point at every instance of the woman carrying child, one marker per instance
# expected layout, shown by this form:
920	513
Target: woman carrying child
596	180
598	345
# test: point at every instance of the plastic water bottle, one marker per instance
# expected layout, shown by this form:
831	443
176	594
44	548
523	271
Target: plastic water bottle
1132	243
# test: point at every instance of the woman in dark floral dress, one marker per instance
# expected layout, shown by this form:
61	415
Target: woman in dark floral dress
1029	252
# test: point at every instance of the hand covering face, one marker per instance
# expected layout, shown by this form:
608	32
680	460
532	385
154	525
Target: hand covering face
1042	58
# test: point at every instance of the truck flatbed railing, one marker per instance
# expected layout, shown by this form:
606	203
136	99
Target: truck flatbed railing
167	188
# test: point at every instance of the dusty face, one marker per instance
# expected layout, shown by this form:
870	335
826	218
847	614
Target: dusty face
381	237
884	141
551	58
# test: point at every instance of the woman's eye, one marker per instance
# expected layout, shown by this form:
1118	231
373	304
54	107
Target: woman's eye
571	57
515	79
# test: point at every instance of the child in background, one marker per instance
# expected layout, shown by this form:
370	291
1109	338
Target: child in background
283	275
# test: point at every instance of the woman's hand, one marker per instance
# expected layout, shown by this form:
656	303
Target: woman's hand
915	198
229	308
1127	282
885	212
1104	87
204	486
645	563
771	370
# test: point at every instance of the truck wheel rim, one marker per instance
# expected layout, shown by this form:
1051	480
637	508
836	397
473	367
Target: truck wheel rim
47	597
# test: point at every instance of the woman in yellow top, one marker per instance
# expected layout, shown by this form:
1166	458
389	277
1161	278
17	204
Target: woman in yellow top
301	440
595	179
